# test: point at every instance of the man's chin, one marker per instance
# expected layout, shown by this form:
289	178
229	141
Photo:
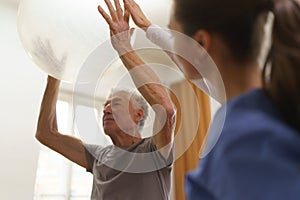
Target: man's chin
107	131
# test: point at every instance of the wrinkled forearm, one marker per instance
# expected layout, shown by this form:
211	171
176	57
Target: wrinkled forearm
147	82
150	86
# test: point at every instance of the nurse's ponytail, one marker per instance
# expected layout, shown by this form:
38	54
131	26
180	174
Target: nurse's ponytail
283	82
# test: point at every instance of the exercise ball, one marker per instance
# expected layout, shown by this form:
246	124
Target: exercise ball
59	35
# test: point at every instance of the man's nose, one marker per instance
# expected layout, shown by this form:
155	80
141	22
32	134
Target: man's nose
107	109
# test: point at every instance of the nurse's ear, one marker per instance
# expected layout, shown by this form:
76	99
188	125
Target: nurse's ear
203	37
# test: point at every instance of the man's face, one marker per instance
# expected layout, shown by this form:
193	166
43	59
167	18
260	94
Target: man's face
119	114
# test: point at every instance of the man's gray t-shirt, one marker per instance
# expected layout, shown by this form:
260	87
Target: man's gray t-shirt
138	172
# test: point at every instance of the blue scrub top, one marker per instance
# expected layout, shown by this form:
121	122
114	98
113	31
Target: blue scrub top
257	156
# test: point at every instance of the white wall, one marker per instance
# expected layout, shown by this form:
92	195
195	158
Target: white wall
21	86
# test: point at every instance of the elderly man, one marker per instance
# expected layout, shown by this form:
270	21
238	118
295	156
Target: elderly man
132	168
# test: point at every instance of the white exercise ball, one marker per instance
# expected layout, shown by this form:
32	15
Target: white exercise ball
59	35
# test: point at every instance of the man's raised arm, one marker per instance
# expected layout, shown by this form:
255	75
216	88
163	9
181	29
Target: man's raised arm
145	79
47	131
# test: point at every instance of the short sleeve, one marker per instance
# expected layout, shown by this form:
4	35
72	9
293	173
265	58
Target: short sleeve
158	157
92	153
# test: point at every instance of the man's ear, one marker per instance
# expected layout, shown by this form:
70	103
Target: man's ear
139	114
203	37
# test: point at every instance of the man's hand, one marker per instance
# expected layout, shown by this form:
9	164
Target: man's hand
118	22
137	14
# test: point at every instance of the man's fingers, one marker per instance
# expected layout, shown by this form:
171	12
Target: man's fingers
119	9
126	16
104	14
111	10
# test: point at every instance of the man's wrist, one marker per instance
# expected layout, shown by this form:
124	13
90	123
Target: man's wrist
124	48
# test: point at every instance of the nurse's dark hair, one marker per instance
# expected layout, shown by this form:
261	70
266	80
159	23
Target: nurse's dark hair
240	24
283	78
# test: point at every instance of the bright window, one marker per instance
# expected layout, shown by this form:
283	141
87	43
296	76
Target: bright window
57	178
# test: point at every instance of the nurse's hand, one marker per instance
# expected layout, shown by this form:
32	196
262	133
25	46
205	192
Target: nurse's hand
137	14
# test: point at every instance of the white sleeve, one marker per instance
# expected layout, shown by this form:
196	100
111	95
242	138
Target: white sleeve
160	37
